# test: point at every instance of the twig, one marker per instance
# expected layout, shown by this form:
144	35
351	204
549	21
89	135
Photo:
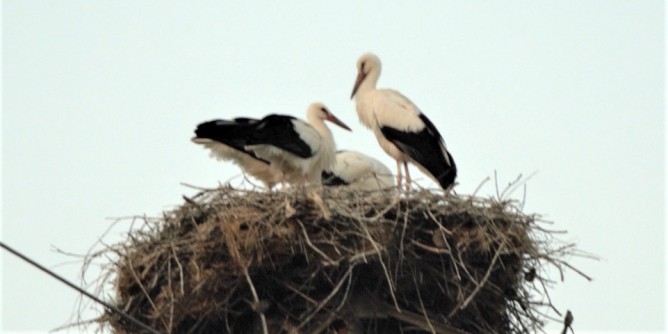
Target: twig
577	271
178	263
328	260
258	308
430	248
485	278
382	264
143	289
480	186
323	326
171	295
452	257
424	311
327	299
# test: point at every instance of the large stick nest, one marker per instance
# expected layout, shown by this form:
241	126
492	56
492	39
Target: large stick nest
323	261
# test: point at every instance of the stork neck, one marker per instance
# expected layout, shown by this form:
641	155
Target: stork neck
369	83
327	148
320	126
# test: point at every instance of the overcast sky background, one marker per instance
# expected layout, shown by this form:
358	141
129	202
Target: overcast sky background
100	99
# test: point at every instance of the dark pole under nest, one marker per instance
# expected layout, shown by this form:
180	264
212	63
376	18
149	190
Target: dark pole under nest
84	292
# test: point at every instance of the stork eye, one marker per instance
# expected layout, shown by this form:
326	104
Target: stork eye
362	67
324	110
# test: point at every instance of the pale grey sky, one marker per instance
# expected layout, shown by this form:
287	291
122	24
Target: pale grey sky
100	99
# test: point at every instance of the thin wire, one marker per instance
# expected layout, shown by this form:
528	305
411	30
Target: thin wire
86	293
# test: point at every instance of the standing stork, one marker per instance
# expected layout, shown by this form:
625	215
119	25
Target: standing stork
299	149
226	140
358	171
401	129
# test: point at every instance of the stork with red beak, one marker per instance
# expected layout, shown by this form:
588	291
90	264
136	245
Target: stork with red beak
401	129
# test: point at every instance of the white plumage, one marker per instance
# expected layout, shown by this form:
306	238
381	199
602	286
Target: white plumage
254	167
358	171
225	140
401	129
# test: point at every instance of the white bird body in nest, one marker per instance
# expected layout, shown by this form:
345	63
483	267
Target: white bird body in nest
358	171
226	139
401	129
300	150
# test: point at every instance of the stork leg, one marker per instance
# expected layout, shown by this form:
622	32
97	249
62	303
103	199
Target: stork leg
408	177
399	177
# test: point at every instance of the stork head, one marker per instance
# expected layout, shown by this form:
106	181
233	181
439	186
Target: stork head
320	111
368	66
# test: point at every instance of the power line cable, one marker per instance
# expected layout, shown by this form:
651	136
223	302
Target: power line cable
84	292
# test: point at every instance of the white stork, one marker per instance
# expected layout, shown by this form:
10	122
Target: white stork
226	140
402	130
299	149
358	171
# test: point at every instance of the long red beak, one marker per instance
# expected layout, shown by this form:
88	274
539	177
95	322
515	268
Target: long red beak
360	77
338	122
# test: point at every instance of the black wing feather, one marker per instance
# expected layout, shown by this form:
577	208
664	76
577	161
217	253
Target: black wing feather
233	133
331	180
424	147
279	131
